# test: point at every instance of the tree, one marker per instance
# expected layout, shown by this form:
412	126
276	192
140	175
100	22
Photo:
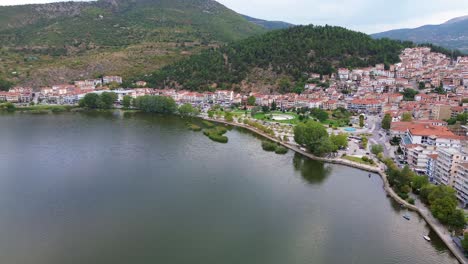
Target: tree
211	113
314	137
127	101
5	85
409	94
422	85
395	141
265	109
361	121
228	117
91	101
340	140
107	100
387	122
251	100
407	117
418	182
188	110
156	104
284	85
364	142
465	242
273	106
376	149
320	114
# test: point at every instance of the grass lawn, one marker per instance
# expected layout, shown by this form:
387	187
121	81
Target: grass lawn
358	160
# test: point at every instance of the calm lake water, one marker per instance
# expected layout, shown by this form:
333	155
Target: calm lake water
82	188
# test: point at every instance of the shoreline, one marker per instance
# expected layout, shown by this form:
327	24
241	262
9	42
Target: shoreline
428	218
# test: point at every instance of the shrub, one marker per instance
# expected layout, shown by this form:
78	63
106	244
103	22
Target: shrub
281	150
208	124
411	201
194	127
269	146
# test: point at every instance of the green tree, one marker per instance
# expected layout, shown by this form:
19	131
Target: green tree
320	114
211	113
407	117
314	137
465	242
284	85
273	106
251	100
387	122
364	142
409	94
156	104
361	121
127	101
340	140
418	182
91	101
188	110
376	149
228	116
107	100
422	85
5	85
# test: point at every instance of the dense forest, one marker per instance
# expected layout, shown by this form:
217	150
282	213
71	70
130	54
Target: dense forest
292	52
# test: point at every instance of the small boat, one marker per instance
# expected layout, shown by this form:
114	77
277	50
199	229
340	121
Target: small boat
407	217
427	238
370	175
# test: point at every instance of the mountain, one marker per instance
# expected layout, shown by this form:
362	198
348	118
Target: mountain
452	35
270	25
49	43
279	59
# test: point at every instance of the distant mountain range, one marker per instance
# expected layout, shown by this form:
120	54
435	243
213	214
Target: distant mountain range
452	34
270	25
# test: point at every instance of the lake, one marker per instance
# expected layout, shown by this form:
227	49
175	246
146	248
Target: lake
117	189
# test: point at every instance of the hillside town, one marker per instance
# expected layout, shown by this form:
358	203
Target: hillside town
427	144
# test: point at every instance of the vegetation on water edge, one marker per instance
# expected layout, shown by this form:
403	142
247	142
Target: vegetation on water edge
273	147
216	134
440	199
194	127
260	127
314	136
364	160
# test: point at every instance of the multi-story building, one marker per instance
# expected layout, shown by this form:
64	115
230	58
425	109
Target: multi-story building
461	183
368	106
447	164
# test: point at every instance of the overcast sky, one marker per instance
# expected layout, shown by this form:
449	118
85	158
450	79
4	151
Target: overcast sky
369	16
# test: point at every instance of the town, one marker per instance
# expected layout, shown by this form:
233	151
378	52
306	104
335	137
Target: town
422	94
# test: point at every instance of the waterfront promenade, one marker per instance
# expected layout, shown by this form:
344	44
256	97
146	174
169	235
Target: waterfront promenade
423	211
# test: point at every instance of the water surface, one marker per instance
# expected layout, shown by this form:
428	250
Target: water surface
82	188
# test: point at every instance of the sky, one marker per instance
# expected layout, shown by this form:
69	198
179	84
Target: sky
369	16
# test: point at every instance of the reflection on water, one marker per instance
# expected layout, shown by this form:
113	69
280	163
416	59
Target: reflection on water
312	171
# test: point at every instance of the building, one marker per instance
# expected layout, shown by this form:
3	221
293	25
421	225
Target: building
112	79
461	183
446	166
367	106
426	134
441	112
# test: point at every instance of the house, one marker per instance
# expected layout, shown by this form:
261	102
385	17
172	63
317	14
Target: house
368	106
112	79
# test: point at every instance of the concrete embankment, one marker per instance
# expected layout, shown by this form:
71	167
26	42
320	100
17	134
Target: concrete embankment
425	214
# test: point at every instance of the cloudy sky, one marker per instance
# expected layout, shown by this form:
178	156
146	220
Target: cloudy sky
369	16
